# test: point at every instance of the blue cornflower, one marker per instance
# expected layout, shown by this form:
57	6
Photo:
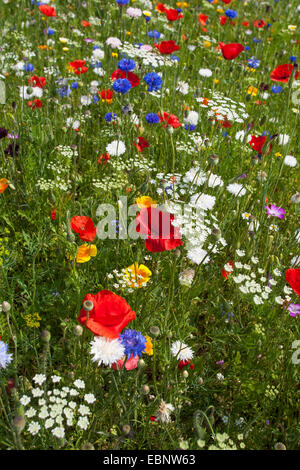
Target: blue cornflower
134	342
64	91
147	18
126	65
50	31
154	34
74	85
122	2
108	116
276	89
175	57
152	118
122	85
189	127
28	67
5	357
256	40
231	13
153	81
247	48
293	58
95	98
96	65
253	62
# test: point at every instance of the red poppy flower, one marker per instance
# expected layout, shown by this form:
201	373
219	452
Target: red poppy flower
173	15
257	143
152	418
282	73
46	10
35	104
132	77
169	120
185	363
226	123
103	159
106	95
142	144
162	235
167	47
160	7
227	273
202	19
292	276
110	314
78	66
85	227
259	23
85	24
39	82
53	214
223	20
226	1
231	51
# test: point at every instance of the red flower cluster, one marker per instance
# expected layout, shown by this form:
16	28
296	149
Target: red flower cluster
85	227
182	364
169	120
132	77
78	66
106	95
172	13
141	144
231	51
167	47
293	278
157	225
110	314
46	10
39	82
35	104
282	73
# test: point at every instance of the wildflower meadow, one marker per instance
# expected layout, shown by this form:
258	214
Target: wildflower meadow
149	225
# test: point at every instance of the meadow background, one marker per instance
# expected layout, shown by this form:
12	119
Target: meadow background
68	145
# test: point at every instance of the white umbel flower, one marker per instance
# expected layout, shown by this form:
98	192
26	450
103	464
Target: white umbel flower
236	189
289	160
106	351
116	148
181	351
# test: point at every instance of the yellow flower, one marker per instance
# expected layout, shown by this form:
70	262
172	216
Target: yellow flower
147	13
85	252
278	154
114	54
63	40
292	27
137	275
32	320
65	49
252	90
149	346
206	43
145	201
216	81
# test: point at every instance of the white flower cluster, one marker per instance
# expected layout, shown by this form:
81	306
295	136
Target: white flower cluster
223	108
148	57
56	409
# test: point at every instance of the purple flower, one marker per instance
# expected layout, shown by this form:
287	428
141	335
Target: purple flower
294	309
275	211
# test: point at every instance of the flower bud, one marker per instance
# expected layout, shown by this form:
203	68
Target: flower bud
141	364
155	331
261	176
279	446
213	159
88	305
170	130
19	424
177	253
200	380
87	446
6	307
216	234
185	374
45	336
78	330
145	389
126	429
295	199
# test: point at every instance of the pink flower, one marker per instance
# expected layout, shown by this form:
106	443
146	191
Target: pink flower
275	211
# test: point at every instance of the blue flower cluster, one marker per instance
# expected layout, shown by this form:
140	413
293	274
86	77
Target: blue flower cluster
152	118
134	342
231	13
122	85
153	81
126	65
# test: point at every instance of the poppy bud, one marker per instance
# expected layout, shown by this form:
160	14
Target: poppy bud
185	374
200	380
279	446
45	336
126	429
145	389
170	130
88	305
78	330
29	90
19	424
141	364
87	446
155	331
6	307
295	199
177	253
254	160
216	234
214	159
